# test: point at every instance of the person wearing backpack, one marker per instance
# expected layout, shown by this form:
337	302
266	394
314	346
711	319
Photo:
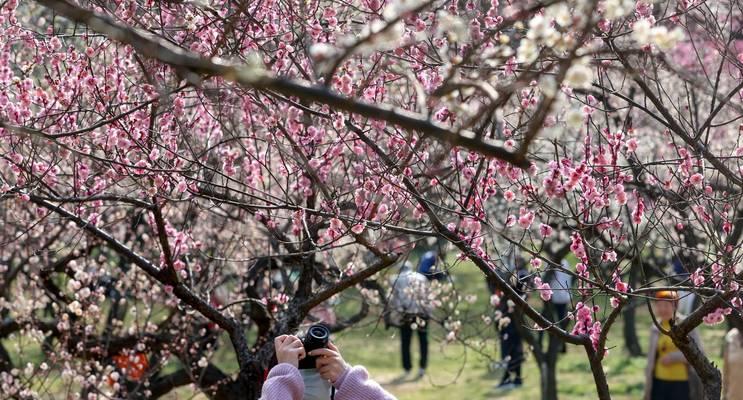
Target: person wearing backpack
409	310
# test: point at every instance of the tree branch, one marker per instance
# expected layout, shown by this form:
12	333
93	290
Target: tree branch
254	76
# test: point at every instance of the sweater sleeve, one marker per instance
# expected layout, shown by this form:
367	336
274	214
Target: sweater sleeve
652	348
283	383
355	384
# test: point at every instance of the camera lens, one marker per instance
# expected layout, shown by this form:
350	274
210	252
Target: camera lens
319	332
317	337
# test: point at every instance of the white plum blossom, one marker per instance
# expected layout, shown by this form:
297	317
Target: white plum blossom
322	51
574	118
527	51
617	8
579	75
452	26
644	33
379	36
666	39
548	86
641	31
542	31
397	8
76	308
561	13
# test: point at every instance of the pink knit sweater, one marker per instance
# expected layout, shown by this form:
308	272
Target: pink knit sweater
285	383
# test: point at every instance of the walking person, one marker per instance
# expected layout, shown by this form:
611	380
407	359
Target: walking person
511	345
557	308
668	375
409	310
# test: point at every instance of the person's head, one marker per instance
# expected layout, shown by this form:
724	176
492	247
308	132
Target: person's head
519	261
406	266
664	304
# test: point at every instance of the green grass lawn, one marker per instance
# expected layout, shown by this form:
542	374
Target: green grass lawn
459	371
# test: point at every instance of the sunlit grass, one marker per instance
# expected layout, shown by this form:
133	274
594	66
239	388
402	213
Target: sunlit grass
459	371
456	370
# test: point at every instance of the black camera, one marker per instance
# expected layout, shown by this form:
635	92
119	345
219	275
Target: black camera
317	337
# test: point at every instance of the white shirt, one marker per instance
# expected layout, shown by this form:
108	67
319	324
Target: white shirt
410	293
560	285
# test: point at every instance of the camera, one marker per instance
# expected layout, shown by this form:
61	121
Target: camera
317	337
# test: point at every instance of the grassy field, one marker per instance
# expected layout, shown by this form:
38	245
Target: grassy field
459	371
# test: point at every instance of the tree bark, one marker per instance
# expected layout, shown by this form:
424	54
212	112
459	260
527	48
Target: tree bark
631	341
5	363
708	373
546	360
548	371
597	369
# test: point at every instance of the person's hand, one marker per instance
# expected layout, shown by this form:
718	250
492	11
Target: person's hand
329	363
289	349
673	358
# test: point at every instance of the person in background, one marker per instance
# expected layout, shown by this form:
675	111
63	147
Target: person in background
323	313
429	267
409	310
511	346
732	368
285	382
668	375
686	298
560	282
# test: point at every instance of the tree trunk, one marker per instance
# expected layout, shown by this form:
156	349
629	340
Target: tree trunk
5	364
597	369
247	387
546	360
707	371
549	380
631	341
548	369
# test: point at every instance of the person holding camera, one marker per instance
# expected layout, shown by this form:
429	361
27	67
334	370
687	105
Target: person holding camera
286	381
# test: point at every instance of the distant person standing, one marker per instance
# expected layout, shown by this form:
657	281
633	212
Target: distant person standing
560	282
732	369
668	375
511	346
409	310
428	266
686	298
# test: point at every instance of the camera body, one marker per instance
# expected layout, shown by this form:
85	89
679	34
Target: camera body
317	337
